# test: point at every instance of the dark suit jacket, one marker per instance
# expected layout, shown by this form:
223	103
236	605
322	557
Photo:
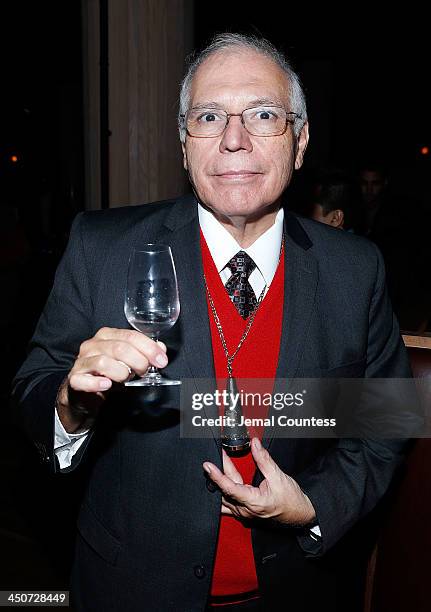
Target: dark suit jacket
149	521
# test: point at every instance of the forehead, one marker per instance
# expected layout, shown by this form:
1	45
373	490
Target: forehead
237	77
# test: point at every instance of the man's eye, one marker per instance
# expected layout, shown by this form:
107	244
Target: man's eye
208	117
265	115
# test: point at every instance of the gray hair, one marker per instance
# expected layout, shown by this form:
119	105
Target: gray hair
226	41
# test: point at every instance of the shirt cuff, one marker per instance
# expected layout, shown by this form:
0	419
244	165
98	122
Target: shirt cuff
61	436
315	532
66	444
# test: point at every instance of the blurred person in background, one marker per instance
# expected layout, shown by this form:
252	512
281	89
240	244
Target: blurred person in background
398	224
335	201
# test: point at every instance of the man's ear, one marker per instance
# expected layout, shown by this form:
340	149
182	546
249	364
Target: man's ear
336	218
183	148
301	146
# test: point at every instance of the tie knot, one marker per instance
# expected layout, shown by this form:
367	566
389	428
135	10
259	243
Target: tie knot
242	263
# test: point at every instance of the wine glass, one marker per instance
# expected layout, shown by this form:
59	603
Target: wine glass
152	304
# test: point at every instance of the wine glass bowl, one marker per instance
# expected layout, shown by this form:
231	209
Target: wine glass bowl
152	304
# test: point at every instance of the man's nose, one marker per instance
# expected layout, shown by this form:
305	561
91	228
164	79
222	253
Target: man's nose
235	137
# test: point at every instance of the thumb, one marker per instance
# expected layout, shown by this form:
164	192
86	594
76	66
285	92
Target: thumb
263	459
162	345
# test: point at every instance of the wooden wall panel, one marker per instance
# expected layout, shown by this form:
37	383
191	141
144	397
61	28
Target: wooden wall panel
148	42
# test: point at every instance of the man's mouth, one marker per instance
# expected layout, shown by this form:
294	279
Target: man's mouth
237	174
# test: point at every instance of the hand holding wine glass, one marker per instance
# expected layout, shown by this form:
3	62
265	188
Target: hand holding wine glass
111	354
152	303
106	358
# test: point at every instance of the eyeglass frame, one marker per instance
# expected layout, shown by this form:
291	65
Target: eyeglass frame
229	115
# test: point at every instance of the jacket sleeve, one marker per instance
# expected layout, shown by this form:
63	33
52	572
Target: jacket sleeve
347	481
65	323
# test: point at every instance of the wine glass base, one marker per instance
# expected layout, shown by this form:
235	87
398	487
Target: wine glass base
151	380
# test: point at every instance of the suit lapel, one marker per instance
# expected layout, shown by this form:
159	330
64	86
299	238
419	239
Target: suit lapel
181	232
300	285
184	238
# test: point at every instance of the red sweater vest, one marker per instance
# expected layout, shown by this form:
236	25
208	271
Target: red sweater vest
234	570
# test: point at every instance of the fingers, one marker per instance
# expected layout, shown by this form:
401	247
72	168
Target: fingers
123	340
263	459
129	369
118	350
230	469
89	383
96	373
277	497
110	356
229	488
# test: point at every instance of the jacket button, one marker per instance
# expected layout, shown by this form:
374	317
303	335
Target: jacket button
199	571
211	486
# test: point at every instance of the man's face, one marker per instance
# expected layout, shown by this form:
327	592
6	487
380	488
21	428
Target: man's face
372	186
237	174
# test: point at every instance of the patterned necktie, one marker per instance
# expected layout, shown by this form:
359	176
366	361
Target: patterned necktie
238	287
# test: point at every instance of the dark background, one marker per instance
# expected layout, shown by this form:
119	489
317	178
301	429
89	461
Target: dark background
366	77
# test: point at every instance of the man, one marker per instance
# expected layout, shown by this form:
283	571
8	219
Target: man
336	201
175	524
374	185
388	217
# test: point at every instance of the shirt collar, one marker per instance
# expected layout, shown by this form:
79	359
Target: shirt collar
265	251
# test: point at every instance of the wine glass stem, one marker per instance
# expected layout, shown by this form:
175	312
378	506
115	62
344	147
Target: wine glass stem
152	369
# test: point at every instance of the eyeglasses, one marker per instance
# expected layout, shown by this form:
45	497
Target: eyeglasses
258	121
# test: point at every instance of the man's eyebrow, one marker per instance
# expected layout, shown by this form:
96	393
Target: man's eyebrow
215	105
250	104
266	102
